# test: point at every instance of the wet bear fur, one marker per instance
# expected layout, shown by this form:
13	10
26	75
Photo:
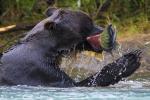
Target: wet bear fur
34	60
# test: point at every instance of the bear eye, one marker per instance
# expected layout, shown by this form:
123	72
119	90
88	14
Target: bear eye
62	12
49	25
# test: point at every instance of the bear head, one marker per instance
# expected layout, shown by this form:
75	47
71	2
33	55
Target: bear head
65	30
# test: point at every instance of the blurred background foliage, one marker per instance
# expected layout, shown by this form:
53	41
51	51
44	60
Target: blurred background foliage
123	13
129	16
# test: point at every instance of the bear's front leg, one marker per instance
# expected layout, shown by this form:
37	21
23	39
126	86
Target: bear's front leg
114	72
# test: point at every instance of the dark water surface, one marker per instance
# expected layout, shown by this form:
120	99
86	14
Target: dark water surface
129	90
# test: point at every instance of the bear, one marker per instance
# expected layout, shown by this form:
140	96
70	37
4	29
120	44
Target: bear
35	59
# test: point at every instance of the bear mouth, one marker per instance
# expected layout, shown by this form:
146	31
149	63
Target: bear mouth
94	38
94	41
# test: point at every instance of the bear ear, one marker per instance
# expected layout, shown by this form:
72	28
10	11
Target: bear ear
50	11
49	25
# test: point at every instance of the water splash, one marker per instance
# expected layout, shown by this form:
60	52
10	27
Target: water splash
81	65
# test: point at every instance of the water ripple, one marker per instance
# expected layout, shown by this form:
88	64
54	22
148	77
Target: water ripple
130	90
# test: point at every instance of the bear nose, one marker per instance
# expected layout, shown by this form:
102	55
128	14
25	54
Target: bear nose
96	30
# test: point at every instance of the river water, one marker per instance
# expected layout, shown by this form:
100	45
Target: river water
125	90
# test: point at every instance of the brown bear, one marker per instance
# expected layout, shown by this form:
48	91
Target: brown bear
35	59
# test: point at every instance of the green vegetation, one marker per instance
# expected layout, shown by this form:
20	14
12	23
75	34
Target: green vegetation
129	16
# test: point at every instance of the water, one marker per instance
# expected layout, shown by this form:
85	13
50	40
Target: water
129	90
